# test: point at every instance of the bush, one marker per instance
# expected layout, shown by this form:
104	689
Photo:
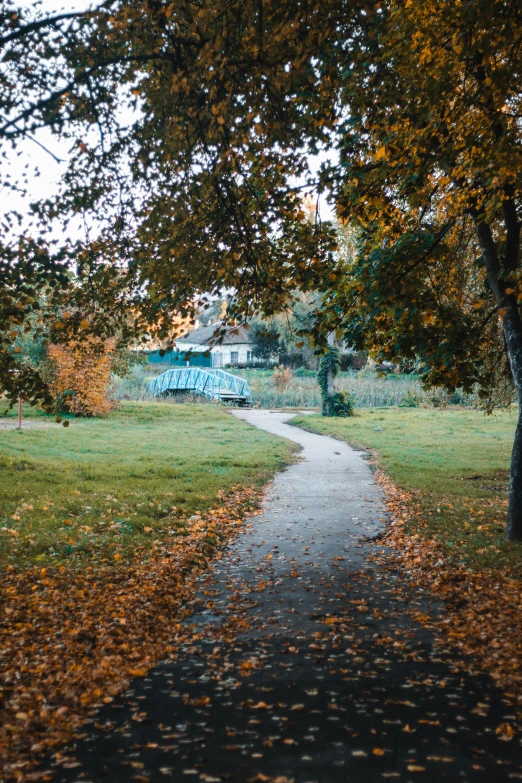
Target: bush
292	359
408	366
281	377
410	400
256	364
340	404
81	377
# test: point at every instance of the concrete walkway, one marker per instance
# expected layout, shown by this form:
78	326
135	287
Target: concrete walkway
314	528
305	665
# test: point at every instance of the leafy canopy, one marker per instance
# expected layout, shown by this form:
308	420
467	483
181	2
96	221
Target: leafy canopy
196	181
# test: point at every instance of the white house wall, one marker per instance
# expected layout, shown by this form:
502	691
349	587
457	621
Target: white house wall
222	355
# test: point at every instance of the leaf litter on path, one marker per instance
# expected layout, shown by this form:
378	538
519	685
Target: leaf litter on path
374	685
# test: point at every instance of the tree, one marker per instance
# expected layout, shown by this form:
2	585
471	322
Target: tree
201	191
432	154
54	291
266	339
80	377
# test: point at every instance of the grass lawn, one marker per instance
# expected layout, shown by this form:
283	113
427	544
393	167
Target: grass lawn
455	462
106	486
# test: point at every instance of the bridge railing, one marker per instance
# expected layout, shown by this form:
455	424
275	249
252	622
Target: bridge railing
211	383
235	383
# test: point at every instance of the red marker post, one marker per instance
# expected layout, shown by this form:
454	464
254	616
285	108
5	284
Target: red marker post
19	413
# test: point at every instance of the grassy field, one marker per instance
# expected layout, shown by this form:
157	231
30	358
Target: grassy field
103	487
455	462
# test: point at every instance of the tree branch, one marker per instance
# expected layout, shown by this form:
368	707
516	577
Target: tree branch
32	27
81	79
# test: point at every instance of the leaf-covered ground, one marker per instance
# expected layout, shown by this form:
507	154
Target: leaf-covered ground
454	463
306	654
304	663
444	474
76	625
104	488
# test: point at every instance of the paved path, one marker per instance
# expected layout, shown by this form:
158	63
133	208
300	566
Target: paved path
316	518
306	665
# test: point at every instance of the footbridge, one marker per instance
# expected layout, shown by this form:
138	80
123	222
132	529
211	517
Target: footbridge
215	384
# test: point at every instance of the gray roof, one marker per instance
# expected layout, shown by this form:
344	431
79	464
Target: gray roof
205	335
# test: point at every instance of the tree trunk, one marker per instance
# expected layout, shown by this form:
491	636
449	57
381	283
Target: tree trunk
514	520
504	292
329	390
330	378
513	335
330	381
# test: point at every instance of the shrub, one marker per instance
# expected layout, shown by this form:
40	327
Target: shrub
410	400
281	377
80	377
408	366
293	359
340	404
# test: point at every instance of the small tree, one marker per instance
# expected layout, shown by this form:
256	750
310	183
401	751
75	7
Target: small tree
81	377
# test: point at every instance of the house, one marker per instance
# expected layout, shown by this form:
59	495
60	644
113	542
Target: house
232	349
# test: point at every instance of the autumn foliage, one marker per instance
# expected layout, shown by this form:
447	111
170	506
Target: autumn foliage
74	640
480	619
281	377
81	376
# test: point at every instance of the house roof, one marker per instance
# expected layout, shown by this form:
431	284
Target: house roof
205	335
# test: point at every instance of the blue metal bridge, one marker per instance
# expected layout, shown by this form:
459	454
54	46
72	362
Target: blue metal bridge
215	384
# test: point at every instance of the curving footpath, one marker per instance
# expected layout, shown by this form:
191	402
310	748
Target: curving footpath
306	664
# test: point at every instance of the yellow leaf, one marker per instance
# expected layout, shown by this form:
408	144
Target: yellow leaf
505	732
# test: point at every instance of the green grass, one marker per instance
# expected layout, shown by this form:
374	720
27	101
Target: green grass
455	462
89	491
